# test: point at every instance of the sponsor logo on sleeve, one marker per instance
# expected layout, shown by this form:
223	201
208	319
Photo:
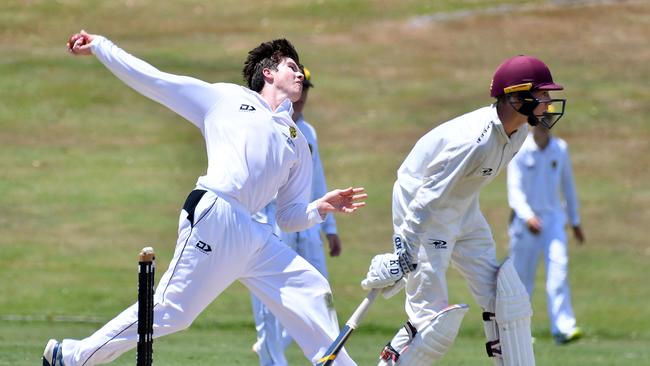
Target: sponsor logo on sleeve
485	130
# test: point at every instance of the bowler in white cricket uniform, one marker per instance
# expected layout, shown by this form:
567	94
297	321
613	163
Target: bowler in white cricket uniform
542	195
272	339
255	153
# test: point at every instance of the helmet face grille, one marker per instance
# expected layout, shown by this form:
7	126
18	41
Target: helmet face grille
528	103
553	114
522	73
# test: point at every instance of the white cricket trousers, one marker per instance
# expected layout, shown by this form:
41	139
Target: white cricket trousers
218	243
272	339
469	245
525	249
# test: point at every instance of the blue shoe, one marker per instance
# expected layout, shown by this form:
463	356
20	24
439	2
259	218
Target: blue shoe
53	356
574	335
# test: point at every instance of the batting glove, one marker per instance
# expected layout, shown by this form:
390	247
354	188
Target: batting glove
393	290
385	270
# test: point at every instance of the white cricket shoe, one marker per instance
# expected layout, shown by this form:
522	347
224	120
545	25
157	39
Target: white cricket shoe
257	347
53	356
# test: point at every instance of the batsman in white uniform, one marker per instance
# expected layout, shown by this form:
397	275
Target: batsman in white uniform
437	221
255	153
542	195
272	338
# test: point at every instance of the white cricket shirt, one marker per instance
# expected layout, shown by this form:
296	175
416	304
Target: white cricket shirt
439	182
540	181
253	152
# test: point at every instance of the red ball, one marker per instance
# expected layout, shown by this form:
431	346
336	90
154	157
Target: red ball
74	38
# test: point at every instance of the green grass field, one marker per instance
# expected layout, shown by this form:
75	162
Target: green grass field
91	171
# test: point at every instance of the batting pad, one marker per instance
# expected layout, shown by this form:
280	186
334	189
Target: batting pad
513	312
435	339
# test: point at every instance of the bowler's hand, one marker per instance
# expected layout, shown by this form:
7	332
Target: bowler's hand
335	244
79	43
342	200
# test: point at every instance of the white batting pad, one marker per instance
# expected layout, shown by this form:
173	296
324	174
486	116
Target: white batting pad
435	339
492	335
513	312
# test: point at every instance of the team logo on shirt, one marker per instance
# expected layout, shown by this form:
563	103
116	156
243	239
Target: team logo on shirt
554	164
293	132
487	171
246	108
437	243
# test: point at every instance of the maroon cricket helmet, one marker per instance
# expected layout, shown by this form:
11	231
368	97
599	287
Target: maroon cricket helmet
522	73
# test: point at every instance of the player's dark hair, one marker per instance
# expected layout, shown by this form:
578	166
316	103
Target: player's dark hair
503	98
506	98
266	55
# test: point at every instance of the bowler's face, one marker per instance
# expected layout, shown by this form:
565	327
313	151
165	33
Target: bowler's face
288	78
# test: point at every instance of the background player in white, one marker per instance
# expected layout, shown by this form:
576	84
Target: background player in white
437	220
272	339
308	242
541	193
254	153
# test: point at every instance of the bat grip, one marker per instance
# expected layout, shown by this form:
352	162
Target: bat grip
362	309
350	325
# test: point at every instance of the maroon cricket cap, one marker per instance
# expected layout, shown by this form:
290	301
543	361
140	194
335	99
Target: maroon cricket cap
522	73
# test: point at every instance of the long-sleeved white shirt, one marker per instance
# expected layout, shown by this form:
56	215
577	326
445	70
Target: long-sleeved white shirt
318	182
439	182
253	151
540	181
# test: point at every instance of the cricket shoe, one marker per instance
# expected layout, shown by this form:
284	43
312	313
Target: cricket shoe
565	338
257	347
53	355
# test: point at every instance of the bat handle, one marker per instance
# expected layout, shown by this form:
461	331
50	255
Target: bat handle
362	309
350	326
